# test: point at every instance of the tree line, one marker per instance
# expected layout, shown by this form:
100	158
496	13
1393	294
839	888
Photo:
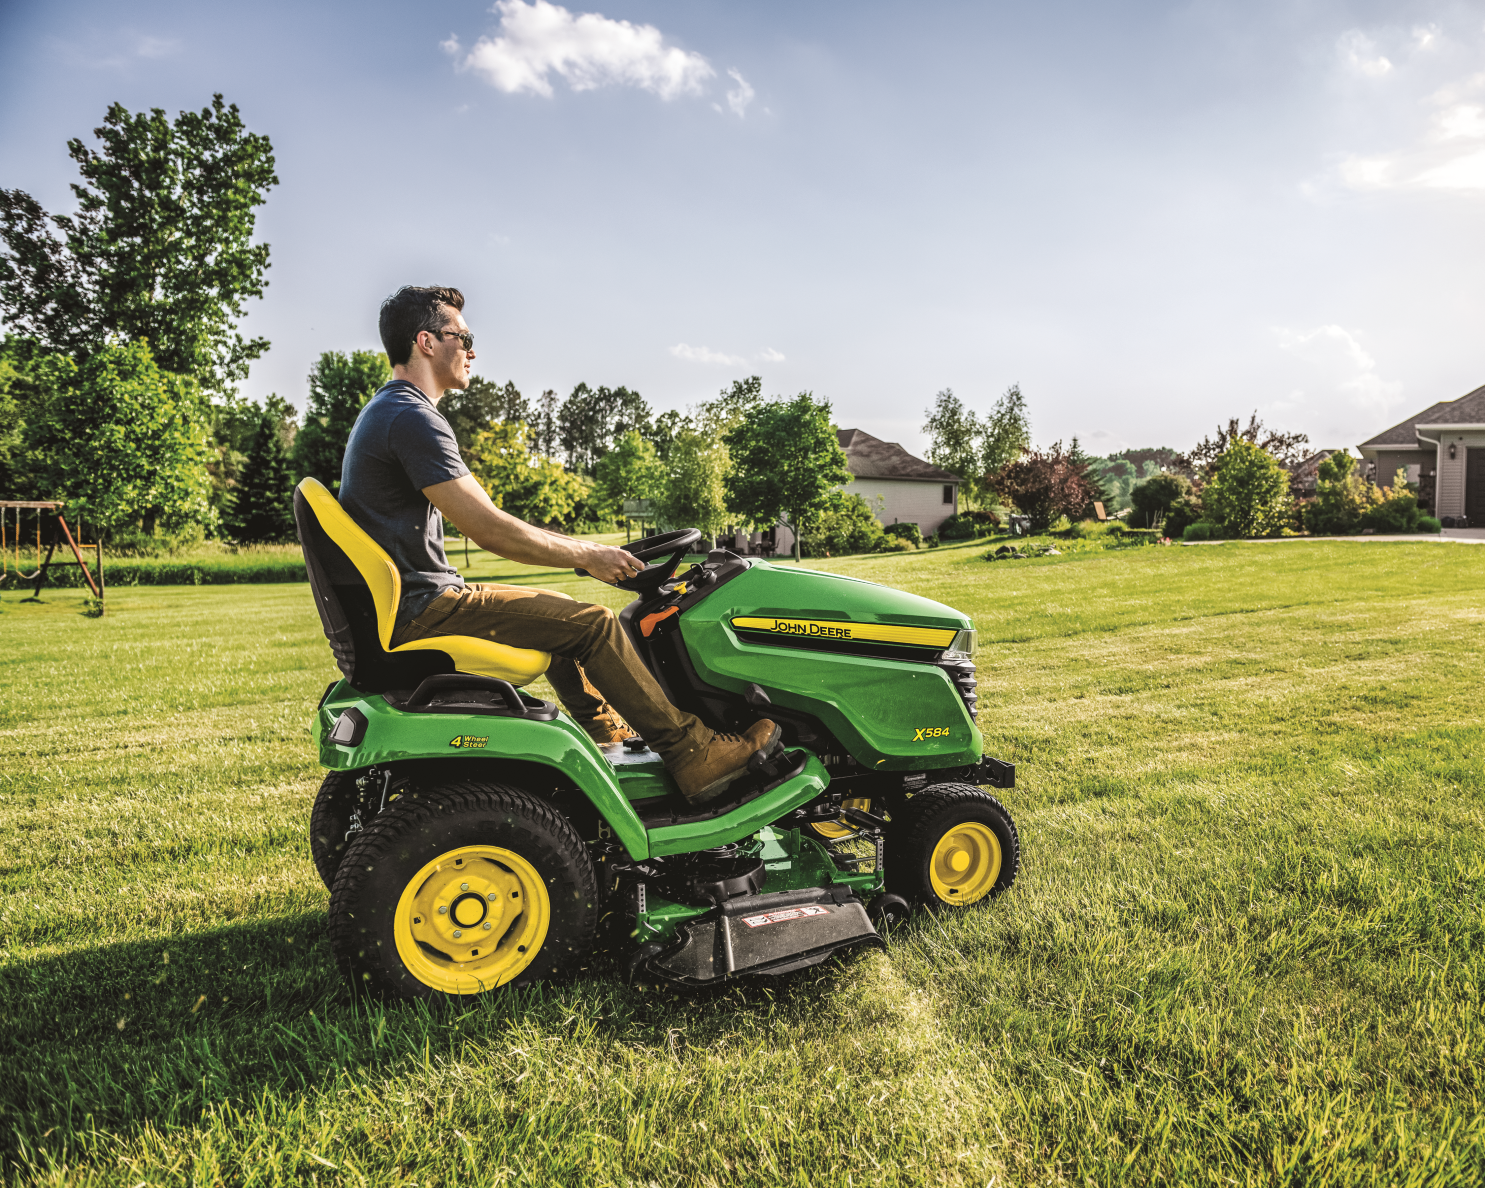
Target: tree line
121	358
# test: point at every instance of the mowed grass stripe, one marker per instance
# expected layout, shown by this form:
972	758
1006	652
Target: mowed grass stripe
1245	946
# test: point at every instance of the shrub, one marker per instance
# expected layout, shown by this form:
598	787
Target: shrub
1202	530
907	532
1045	486
1429	524
1248	494
1397	511
1342	497
1154	497
968	525
896	544
1093	529
847	525
1184	512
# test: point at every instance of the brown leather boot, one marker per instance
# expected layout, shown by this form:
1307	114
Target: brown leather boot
707	771
607	729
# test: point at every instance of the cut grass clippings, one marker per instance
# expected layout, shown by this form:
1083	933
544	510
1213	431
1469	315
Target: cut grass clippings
1245	945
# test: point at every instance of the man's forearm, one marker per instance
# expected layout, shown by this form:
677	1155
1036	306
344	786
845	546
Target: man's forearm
464	502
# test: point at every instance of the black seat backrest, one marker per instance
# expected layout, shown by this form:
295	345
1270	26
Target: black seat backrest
348	614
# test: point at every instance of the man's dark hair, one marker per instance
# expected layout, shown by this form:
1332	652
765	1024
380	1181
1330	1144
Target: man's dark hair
410	311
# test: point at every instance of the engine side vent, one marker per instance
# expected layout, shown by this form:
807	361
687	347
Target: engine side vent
962	673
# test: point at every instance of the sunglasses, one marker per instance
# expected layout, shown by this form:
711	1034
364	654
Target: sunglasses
466	340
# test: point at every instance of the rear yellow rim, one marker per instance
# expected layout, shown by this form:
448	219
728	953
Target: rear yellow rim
839	828
965	863
472	919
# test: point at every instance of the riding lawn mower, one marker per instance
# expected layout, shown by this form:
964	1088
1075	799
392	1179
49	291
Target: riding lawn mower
473	836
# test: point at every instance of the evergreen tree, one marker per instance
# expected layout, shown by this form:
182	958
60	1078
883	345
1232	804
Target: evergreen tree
263	509
1092	475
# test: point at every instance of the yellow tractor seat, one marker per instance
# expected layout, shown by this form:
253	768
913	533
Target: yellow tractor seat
357	589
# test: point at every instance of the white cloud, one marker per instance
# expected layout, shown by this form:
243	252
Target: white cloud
1348	368
703	354
1444	118
770	355
1359	53
739	98
1465	120
1462	173
586	50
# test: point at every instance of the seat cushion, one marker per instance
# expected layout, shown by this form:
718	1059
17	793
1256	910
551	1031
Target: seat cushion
519	666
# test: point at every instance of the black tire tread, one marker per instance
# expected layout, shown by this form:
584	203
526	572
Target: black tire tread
922	814
389	828
328	822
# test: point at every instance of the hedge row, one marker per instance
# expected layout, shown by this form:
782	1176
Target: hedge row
166	572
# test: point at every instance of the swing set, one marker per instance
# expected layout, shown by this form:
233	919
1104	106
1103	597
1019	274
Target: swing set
51	530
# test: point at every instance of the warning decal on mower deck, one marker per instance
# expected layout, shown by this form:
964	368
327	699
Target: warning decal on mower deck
778	917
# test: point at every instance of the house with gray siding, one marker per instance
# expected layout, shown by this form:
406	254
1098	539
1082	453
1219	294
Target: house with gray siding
898	487
1442	449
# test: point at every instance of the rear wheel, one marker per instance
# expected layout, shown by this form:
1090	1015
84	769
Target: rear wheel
458	890
330	821
957	846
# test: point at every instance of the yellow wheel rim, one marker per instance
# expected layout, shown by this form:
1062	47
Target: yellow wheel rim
965	863
838	828
472	919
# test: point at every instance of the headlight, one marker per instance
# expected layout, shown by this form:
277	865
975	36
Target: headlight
963	647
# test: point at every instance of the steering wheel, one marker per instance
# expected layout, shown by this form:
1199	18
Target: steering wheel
674	545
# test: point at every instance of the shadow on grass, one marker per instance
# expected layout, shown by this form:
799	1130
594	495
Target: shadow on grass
153	1033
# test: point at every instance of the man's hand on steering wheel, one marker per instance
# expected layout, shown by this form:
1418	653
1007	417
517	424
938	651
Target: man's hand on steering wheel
611	565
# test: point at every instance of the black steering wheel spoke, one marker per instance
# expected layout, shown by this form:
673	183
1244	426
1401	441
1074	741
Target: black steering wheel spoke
671	545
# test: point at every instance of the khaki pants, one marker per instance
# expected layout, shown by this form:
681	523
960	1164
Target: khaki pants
588	648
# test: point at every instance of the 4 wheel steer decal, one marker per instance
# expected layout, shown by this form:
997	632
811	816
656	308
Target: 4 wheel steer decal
469	741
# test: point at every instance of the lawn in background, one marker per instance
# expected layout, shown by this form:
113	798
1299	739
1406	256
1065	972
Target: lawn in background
1245	946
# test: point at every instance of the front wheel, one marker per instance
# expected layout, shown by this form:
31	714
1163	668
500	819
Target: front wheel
957	846
458	890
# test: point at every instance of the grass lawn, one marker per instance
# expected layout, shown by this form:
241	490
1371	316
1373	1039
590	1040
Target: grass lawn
1245	946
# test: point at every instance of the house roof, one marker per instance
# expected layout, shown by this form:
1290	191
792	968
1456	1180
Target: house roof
871	457
1467	410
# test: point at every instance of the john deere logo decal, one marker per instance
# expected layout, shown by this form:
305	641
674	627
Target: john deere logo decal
468	741
923	637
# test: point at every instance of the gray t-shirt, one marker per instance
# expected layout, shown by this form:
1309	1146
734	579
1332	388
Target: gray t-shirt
400	444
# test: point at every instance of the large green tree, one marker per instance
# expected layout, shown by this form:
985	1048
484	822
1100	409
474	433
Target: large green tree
786	461
1248	492
160	248
974	447
526	484
121	439
631	470
692	494
481	406
339	386
590	420
262	508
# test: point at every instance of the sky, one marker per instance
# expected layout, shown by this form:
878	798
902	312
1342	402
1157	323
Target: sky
1152	216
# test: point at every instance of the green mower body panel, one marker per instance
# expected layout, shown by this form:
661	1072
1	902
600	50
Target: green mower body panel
395	736
787	630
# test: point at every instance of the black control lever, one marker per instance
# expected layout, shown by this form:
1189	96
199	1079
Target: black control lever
863	819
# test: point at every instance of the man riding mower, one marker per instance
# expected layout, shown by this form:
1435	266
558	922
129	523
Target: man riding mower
806	766
473	835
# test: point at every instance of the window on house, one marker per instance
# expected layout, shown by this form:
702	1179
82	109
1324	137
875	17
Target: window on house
948	492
